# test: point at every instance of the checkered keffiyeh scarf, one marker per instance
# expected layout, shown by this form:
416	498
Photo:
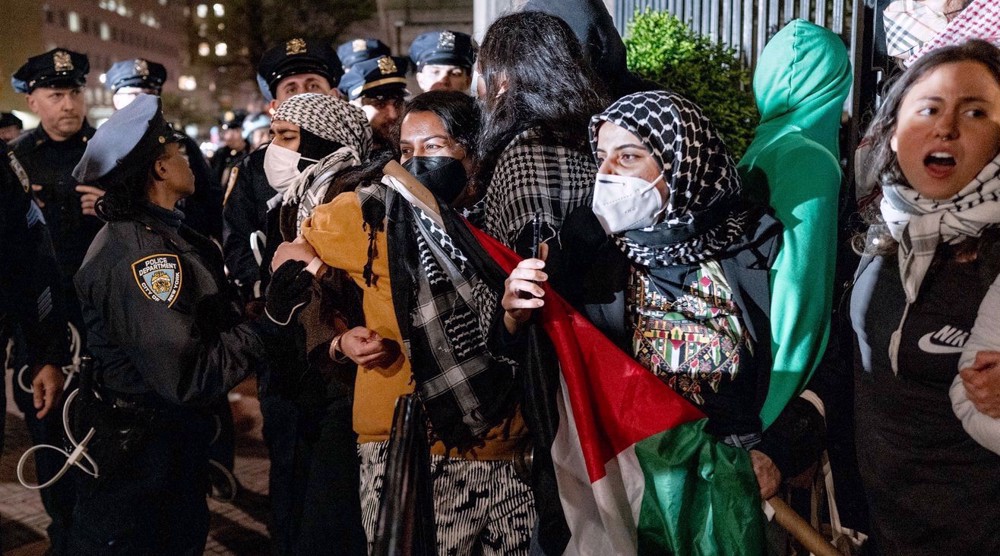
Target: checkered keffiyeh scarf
704	213
334	120
920	224
464	388
908	25
979	20
532	177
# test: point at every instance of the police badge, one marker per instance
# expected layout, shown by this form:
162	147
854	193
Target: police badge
62	61
141	68
446	40
159	277
295	46
386	65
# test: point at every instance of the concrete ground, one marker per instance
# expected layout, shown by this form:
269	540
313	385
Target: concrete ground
236	528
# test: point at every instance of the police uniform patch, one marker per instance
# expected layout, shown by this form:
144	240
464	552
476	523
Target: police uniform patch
15	165
159	277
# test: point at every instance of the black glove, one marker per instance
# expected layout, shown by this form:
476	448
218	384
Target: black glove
290	290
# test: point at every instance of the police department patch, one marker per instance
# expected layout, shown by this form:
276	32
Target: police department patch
159	277
15	165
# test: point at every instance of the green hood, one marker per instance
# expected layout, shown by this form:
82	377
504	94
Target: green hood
801	81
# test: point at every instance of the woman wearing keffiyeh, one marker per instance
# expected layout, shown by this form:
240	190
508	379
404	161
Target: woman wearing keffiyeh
924	308
672	264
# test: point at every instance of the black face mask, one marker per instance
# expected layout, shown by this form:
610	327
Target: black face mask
443	175
312	147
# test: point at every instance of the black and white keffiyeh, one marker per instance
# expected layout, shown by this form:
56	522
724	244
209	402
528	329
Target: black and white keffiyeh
920	224
334	120
704	213
532	177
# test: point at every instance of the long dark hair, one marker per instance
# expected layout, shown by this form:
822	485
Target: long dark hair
883	165
536	77
125	189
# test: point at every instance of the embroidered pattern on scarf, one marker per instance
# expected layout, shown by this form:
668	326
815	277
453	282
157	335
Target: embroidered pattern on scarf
693	341
704	214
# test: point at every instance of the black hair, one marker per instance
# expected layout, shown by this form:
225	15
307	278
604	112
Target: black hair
883	164
458	112
125	188
536	76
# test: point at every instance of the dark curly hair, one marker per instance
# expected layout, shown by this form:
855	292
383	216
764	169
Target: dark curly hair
125	189
536	76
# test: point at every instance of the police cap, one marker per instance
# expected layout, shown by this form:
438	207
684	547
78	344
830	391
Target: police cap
360	50
384	76
126	143
297	56
136	72
8	119
58	67
232	119
446	48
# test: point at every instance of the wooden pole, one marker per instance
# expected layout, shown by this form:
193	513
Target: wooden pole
800	529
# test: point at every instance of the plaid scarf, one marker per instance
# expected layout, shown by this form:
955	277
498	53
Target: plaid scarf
704	213
465	389
908	25
920	224
980	20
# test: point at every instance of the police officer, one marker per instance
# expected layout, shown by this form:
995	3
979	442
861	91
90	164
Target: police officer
361	50
10	127
168	338
378	86
297	66
30	300
129	78
233	148
52	83
444	60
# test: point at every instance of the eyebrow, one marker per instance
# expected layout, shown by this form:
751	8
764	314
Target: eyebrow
961	100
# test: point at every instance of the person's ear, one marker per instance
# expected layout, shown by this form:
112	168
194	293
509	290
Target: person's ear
160	170
32	103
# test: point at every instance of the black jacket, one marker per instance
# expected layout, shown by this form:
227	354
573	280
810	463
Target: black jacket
30	283
245	212
161	317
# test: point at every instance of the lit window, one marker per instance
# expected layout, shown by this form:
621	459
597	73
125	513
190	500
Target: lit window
112	5
221	49
204	49
73	20
105	32
102	78
202	10
163	2
186	83
219	10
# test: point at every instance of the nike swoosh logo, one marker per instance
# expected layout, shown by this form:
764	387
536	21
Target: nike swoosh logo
927	345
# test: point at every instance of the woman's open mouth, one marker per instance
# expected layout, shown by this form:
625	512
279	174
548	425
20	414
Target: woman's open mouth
939	164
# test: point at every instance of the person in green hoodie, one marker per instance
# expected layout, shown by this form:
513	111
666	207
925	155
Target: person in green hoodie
793	164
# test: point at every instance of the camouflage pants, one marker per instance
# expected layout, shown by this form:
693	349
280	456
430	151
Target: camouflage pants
480	507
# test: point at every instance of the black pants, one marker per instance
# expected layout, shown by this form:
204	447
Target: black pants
154	503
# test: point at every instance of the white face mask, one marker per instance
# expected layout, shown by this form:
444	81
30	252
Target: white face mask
281	166
623	203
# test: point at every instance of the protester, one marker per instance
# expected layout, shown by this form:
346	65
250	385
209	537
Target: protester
480	504
930	263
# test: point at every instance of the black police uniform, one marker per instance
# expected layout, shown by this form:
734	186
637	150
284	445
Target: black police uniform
31	303
245	212
49	164
168	339
226	158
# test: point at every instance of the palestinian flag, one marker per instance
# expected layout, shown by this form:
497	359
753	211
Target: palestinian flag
637	474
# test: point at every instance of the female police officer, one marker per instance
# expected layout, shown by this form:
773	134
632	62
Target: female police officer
167	337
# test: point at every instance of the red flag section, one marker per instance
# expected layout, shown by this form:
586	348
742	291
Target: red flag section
616	401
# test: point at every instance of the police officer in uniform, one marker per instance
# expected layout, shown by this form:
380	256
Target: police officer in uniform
129	78
234	146
10	127
52	83
444	60
30	300
361	50
378	86
168	337
297	66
